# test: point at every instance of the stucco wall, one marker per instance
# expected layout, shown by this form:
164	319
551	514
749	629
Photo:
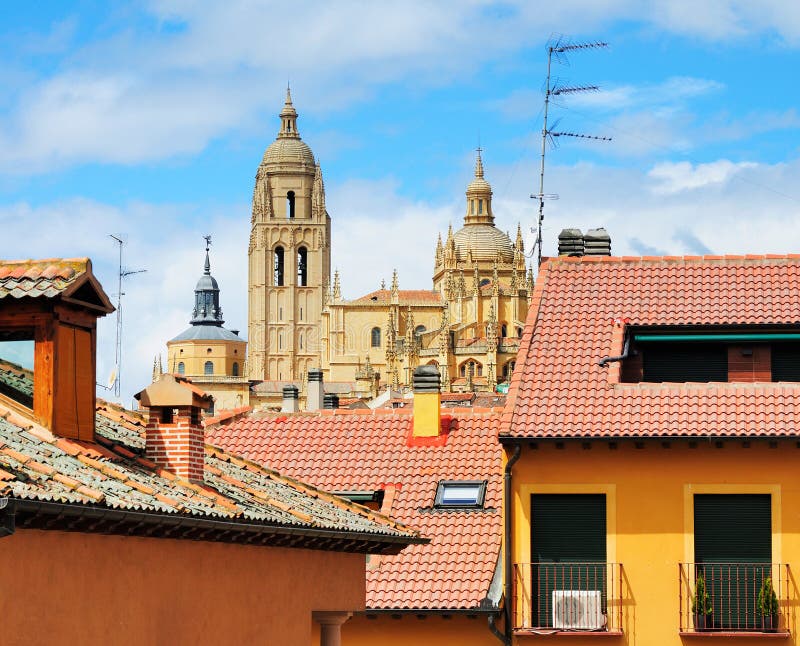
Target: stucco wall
409	630
649	498
72	588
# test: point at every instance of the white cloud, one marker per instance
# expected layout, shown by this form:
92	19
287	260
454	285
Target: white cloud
212	68
674	177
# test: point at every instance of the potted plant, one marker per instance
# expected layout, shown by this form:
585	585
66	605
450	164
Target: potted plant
767	606
702	609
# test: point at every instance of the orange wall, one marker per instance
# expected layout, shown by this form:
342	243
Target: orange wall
72	588
434	630
649	494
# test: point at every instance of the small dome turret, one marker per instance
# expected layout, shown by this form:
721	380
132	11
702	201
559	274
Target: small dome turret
288	148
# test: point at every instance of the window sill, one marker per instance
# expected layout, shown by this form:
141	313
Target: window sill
735	634
549	632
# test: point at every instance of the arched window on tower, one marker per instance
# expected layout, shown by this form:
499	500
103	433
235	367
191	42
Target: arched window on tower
235	369
480	206
181	368
375	337
419	331
208	368
290	204
302	267
472	206
504	330
278	266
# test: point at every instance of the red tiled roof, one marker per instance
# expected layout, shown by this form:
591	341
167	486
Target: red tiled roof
49	278
578	313
406	296
357	451
113	473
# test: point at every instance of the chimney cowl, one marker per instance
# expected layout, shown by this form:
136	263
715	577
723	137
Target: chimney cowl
330	401
315	374
426	379
290	392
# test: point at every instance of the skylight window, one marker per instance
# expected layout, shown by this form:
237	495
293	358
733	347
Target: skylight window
460	494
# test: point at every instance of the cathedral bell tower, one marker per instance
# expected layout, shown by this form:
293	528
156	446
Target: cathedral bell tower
289	258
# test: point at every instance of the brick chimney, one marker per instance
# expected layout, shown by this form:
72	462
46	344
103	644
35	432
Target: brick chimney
315	392
427	401
175	437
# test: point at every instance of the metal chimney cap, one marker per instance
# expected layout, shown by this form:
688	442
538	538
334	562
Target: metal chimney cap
426	379
330	401
315	374
290	392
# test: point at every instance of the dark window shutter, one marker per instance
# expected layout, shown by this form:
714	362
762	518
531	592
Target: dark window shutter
568	547
732	539
569	527
682	362
785	362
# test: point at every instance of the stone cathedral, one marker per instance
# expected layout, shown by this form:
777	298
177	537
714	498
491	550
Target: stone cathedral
469	324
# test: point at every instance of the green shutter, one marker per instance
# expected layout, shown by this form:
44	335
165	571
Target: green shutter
732	539
567	529
684	362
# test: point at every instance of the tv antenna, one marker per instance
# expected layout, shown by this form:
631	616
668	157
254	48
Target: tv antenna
557	49
115	381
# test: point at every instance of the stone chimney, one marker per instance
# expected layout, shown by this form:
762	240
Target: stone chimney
175	438
427	401
570	242
331	401
315	392
289	404
597	242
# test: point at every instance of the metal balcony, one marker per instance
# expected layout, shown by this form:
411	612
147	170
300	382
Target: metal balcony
737	595
567	597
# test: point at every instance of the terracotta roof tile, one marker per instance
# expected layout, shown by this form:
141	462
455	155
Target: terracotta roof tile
578	312
369	451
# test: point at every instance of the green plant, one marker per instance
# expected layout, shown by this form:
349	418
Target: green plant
767	599
701	601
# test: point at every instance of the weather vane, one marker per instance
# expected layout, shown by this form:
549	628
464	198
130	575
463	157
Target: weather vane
208	242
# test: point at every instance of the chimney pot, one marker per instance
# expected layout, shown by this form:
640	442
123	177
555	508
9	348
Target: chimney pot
315	391
331	401
427	401
290	395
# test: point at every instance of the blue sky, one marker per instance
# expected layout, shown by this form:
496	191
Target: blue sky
148	120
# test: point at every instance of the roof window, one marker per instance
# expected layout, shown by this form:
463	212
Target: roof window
460	494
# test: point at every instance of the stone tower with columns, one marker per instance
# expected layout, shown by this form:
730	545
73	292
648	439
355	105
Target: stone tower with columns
289	258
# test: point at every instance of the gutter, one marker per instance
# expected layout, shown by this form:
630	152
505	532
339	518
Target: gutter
391	544
625	353
509	570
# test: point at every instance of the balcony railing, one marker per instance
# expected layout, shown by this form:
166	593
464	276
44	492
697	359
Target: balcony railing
737	597
560	597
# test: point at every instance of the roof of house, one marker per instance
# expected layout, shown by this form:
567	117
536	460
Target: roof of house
349	450
580	310
405	297
242	499
51	278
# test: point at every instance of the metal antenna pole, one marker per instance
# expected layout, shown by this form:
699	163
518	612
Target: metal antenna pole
544	150
122	273
558	47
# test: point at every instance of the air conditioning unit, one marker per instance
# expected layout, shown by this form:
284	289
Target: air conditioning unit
578	610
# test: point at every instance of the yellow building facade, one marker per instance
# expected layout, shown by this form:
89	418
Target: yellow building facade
208	354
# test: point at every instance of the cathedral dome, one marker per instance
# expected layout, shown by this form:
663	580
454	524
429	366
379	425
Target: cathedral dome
288	148
486	241
289	151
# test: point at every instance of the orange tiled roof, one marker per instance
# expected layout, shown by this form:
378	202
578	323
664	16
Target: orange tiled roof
359	451
40	468
406	296
578	313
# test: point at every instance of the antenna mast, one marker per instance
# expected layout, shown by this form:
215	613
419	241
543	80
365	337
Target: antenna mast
558	49
123	273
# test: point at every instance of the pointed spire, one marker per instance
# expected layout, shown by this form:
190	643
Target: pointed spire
383	283
207	310
337	287
479	164
207	268
288	94
520	244
288	118
395	284
156	372
495	280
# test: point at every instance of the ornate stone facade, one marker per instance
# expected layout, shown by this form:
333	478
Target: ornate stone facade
289	258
